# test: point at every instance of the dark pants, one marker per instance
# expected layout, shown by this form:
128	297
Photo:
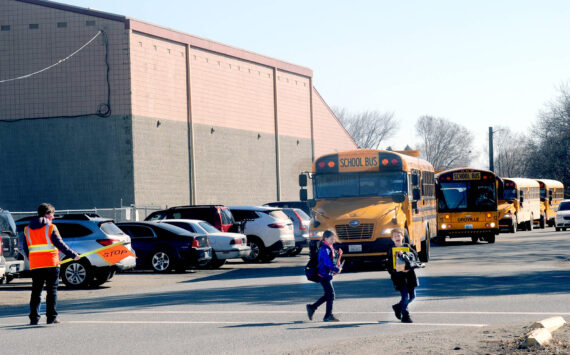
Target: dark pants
50	277
407	296
328	297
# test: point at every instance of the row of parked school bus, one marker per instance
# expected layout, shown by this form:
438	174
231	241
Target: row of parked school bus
363	194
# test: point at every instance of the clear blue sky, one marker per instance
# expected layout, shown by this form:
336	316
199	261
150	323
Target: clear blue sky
480	63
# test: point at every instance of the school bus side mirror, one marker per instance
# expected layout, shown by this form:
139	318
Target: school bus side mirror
415	180
416	194
522	199
550	199
302	180
303	194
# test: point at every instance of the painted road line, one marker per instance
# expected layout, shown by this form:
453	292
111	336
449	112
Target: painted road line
339	312
280	323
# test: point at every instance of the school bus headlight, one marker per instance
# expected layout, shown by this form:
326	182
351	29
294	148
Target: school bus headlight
386	231
507	215
492	224
446	226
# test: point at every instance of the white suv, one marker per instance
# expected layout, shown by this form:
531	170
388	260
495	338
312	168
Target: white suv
562	219
268	229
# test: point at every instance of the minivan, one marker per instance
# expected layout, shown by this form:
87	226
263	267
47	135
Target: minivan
217	215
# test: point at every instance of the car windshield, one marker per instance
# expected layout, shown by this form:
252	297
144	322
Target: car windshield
207	227
564	206
110	228
360	184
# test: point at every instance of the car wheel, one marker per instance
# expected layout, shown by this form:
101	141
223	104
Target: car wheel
557	229
490	238
530	224
564	229
101	278
296	251
162	261
77	274
474	239
216	263
257	250
267	258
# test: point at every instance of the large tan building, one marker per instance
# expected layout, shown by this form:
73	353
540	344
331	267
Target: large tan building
101	110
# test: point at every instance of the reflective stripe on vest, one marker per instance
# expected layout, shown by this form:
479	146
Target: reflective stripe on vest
42	251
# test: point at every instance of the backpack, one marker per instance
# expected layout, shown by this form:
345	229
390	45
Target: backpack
312	267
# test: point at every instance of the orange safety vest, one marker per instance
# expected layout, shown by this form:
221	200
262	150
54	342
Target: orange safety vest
42	251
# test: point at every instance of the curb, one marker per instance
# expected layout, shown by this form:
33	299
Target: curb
542	331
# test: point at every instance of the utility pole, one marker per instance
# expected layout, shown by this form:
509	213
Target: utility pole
491	167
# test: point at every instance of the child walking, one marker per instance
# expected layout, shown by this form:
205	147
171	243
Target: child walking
403	274
329	265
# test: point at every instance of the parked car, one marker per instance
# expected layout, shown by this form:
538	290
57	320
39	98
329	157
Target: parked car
301	222
165	247
84	233
562	219
217	215
304	205
268	229
11	262
225	245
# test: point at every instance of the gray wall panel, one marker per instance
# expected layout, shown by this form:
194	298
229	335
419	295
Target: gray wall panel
161	162
69	162
234	166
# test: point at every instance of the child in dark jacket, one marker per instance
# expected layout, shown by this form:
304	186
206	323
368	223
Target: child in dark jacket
403	274
329	265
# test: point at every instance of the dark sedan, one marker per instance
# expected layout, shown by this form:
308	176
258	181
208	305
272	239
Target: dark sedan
164	247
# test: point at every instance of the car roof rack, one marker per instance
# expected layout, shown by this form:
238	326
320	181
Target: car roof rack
76	216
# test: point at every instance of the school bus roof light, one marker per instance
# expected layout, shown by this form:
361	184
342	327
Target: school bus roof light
489	215
384	161
331	164
321	164
448	178
447	216
394	161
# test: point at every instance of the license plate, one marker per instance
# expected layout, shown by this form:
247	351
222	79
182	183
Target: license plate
468	226
354	248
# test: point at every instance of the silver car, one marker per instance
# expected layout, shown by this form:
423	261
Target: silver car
301	223
226	245
84	233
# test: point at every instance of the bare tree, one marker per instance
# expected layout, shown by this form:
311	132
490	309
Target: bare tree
511	157
445	144
550	148
368	128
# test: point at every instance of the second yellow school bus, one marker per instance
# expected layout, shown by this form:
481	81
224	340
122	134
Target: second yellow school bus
363	194
551	194
519	204
467	204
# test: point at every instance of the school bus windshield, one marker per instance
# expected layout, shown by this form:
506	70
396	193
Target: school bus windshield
467	195
509	193
359	184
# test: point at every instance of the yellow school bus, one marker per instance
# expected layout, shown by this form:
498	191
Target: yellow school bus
519	205
467	204
551	194
363	194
